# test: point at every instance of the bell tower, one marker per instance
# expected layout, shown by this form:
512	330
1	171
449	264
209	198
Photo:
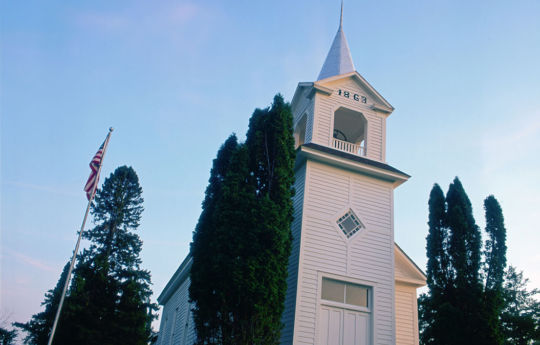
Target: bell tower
341	271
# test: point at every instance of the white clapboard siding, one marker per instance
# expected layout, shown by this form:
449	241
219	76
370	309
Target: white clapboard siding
406	315
367	256
177	326
290	297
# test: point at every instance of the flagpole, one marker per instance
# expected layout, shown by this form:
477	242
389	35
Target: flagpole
68	278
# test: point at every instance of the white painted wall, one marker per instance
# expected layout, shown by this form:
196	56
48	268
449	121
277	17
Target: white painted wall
366	257
406	315
177	326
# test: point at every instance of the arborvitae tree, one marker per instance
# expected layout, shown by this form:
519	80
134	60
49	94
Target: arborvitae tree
438	272
521	313
109	300
495	264
464	238
437	265
455	309
464	251
39	327
246	223
270	146
207	253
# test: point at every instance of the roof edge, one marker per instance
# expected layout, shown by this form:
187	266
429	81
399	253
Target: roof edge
178	278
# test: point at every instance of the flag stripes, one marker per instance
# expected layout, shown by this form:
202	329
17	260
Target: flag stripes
94	167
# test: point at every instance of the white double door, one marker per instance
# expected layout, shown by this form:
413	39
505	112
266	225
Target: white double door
343	327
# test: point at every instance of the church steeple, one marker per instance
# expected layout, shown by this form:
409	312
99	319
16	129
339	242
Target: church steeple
339	60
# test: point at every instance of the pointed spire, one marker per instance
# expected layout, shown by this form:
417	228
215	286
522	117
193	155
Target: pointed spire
341	16
339	60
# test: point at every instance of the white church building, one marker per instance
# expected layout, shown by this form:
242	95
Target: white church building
348	282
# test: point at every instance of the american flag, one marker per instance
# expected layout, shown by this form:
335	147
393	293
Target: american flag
94	167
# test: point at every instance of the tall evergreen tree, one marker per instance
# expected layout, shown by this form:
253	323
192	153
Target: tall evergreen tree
464	239
207	253
437	265
434	308
454	310
495	264
270	146
464	251
39	326
245	226
109	300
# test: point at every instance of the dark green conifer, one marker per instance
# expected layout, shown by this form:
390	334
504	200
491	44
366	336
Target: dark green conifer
39	326
207	252
464	239
520	316
109	300
245	227
7	337
437	265
495	264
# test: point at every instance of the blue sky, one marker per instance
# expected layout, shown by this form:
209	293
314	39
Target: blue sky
175	78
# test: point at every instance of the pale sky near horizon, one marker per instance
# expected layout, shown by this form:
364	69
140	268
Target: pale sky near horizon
175	78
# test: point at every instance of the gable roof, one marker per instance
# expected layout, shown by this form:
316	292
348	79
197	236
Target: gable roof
383	105
406	270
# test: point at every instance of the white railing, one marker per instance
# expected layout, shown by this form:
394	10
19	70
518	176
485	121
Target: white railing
357	149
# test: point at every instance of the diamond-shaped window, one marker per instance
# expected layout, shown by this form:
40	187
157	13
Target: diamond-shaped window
349	223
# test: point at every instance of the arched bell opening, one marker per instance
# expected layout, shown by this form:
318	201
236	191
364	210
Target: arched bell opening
300	132
350	131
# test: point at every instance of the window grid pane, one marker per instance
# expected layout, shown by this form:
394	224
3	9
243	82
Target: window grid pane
333	290
356	295
343	292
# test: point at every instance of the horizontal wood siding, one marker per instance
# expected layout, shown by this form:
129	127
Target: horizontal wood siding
326	105
292	278
323	129
367	256
406	319
176	313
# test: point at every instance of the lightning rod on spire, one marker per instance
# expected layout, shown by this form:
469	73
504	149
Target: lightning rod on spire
341	16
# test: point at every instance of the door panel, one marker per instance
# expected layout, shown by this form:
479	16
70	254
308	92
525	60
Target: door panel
343	327
356	330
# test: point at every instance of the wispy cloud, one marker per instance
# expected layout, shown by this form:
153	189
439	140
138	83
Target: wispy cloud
36	263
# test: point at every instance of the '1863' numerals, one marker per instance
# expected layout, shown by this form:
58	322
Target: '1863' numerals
355	96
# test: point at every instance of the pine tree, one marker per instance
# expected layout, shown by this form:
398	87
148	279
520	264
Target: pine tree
39	327
7	337
109	300
245	227
495	264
